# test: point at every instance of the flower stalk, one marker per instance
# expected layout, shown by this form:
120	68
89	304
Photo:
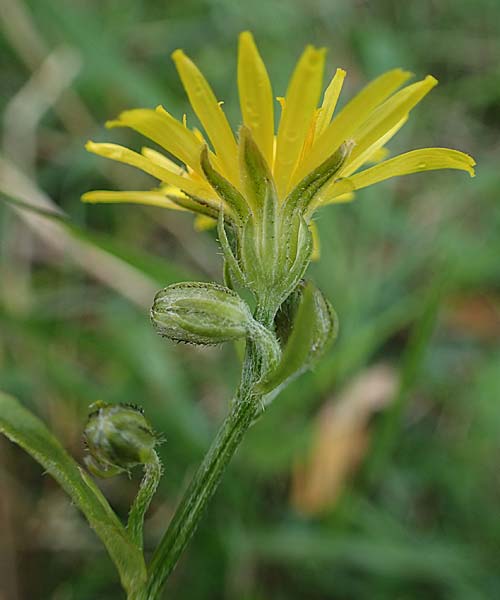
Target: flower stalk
261	190
152	474
245	408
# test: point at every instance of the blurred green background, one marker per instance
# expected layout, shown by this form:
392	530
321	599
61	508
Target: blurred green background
374	477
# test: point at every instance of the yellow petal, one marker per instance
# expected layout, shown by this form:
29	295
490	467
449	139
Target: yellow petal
162	161
342	198
256	96
199	135
162	128
341	190
301	100
351	117
203	223
130	197
415	161
378	155
171	191
307	145
330	100
129	157
321	119
210	113
316	247
353	165
390	114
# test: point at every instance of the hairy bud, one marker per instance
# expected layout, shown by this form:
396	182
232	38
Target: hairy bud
117	437
306	325
200	313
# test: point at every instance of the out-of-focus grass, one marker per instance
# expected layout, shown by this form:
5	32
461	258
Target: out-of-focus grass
411	267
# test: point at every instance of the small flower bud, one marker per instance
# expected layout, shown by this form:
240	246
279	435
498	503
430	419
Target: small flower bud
118	437
306	325
200	313
283	321
325	328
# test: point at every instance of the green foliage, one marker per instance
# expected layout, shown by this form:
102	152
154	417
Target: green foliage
426	524
23	428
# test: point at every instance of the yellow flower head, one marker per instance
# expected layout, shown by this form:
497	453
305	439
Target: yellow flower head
309	132
263	187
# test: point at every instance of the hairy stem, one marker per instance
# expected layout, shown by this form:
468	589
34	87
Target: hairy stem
147	489
244	410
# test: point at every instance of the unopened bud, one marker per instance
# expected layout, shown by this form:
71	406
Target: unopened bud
325	328
200	313
117	437
306	325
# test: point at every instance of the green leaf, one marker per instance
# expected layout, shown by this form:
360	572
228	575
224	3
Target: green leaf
26	430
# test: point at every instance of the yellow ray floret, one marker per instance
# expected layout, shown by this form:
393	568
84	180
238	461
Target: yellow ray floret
162	128
210	113
351	117
300	104
203	223
162	161
130	197
134	159
316	245
378	155
307	139
320	121
330	100
307	145
390	114
415	161
256	95
369	154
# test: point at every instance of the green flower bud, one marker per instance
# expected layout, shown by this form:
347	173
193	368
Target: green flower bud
283	321
306	324
200	313
117	437
325	325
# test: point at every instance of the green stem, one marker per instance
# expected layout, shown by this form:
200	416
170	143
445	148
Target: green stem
243	413
147	489
200	491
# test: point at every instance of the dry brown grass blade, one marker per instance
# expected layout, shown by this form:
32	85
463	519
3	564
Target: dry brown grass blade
38	95
59	65
340	440
108	269
22	34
